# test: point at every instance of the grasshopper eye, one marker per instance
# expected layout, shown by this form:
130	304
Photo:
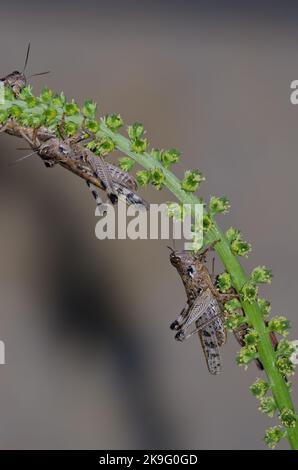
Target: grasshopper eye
190	271
63	150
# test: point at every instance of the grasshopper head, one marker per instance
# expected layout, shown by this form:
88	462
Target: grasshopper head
54	150
15	80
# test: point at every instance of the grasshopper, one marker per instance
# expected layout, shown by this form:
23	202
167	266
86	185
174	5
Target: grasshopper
17	80
71	154
203	312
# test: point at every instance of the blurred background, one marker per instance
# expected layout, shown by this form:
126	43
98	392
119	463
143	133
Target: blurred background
91	362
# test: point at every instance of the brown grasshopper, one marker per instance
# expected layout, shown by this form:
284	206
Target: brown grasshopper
18	80
71	154
203	313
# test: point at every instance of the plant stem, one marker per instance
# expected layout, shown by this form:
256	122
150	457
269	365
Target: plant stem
252	311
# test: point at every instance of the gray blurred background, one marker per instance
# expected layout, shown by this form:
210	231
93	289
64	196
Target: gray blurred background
91	362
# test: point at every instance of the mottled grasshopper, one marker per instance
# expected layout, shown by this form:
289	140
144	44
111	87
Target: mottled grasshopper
18	80
71	154
203	313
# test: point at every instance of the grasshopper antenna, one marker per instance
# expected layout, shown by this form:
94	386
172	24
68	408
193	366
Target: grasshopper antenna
27	57
22	158
37	74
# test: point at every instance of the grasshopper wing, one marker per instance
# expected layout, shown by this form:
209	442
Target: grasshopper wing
212	335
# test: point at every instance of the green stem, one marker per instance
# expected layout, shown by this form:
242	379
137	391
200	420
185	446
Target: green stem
266	352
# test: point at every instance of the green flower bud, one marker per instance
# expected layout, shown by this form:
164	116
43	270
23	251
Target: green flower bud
192	180
139	145
157	178
219	205
92	125
249	292
224	282
135	131
176	211
280	325
245	356
169	157
240	247
285	366
15	111
264	306
89	109
105	146
59	100
233	234
126	164
207	223
251	340
268	406
285	348
71	109
113	121
233	321
70	128
143	177
273	436
50	115
261	275
4	115
232	305
288	418
259	388
46	95
156	153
